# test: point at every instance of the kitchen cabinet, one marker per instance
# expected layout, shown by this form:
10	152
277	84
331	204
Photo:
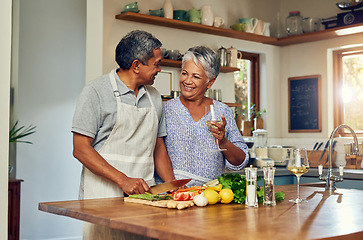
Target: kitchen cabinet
302	38
13	209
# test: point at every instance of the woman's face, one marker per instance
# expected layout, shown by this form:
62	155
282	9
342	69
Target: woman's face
194	81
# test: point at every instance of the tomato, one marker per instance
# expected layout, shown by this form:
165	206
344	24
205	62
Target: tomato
191	195
178	196
183	196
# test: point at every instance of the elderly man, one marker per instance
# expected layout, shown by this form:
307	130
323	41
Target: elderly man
118	128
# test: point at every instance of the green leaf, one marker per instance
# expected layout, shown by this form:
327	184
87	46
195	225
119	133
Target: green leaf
16	133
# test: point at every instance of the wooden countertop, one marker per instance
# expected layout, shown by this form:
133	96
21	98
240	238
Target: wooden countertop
336	215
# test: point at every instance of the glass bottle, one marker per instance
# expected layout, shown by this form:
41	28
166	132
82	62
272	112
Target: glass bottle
269	186
294	23
280	29
251	187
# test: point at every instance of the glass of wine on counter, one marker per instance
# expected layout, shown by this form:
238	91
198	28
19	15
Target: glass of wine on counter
298	164
213	114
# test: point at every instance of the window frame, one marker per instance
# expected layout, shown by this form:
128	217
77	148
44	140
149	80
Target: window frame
255	76
338	107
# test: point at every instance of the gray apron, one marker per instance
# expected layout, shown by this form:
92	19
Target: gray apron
129	149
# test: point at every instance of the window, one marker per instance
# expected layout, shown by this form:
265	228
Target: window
348	88
246	83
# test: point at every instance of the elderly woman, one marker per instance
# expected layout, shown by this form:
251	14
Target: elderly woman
190	142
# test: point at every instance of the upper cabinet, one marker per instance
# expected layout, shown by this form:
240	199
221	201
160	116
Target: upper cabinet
302	38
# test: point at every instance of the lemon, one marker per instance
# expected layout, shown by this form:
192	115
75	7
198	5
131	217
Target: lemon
226	195
212	196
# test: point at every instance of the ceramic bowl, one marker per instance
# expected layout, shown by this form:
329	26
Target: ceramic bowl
131	10
239	27
157	12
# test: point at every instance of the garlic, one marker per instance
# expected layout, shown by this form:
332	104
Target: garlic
200	200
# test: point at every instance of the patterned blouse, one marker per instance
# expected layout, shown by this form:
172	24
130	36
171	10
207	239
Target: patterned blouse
192	147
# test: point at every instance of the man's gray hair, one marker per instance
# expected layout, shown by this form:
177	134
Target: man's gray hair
136	45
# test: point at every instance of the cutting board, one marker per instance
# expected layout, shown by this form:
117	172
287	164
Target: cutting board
160	203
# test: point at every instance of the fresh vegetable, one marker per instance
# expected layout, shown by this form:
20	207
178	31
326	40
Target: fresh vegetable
212	196
279	196
179	205
215	188
237	183
196	189
151	197
183	196
212	183
226	195
200	200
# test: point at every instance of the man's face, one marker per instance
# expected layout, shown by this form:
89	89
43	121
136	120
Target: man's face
149	71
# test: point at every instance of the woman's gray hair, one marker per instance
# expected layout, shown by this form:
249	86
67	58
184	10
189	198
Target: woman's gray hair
206	57
136	45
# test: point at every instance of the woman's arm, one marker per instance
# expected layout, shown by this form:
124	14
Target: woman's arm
163	164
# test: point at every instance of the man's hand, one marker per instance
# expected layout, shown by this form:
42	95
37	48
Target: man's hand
134	186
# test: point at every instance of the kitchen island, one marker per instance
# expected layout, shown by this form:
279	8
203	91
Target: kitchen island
327	215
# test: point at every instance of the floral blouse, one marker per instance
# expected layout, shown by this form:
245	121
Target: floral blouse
192	147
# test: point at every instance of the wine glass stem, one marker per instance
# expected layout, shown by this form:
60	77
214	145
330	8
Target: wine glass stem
298	187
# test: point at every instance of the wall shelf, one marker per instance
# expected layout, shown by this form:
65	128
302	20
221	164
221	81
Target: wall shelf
302	38
177	64
195	27
320	35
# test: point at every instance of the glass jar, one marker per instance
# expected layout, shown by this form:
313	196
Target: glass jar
294	23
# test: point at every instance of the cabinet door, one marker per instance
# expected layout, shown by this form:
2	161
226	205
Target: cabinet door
13	209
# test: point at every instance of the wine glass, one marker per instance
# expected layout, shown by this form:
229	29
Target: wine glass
213	114
298	164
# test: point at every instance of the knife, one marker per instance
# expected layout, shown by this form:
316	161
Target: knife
317	149
325	148
168	186
314	148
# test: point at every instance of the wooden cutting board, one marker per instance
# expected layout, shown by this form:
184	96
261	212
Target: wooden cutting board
161	203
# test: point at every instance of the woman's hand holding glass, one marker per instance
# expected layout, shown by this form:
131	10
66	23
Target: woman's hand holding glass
216	123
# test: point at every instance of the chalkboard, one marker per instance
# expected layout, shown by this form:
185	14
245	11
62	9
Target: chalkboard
305	104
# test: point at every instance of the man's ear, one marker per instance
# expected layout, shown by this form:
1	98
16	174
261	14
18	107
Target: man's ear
135	66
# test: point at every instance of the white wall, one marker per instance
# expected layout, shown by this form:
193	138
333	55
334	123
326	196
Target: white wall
51	75
5	57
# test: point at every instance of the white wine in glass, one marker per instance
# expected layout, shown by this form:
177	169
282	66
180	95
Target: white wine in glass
213	114
298	164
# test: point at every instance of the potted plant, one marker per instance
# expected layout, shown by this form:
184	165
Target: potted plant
256	116
252	120
16	135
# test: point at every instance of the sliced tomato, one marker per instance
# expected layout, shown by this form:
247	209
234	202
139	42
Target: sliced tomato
183	196
178	196
191	195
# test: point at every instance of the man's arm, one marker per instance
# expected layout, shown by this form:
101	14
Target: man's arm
163	164
91	159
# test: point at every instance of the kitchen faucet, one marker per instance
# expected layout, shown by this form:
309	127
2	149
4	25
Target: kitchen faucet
330	178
